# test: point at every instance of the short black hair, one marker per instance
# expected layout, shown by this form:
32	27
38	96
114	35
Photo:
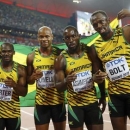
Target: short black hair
70	26
99	12
8	44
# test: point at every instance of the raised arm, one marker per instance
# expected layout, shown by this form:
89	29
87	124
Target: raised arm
126	29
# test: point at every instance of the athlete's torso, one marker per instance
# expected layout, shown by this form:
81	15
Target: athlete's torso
115	55
46	93
9	100
80	92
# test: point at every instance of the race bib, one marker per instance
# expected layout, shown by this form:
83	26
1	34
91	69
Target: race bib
5	92
117	68
47	80
83	81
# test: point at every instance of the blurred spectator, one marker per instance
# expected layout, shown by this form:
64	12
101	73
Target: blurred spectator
16	19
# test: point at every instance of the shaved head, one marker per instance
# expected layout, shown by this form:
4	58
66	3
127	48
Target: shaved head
45	28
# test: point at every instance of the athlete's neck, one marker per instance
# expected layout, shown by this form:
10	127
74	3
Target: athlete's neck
75	53
45	51
108	35
7	66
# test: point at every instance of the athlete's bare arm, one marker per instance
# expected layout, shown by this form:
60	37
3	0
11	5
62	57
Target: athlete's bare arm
98	74
32	74
20	86
60	79
97	67
126	29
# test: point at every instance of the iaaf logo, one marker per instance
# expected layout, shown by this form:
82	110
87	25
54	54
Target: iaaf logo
115	62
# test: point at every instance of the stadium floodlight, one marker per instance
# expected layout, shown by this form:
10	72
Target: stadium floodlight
77	1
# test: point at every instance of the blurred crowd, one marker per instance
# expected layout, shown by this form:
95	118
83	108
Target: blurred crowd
19	22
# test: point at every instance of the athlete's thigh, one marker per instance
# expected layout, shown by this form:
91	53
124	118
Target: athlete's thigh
13	123
58	113
2	123
42	114
93	116
75	116
116	106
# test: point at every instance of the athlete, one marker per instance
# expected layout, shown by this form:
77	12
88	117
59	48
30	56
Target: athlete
12	85
113	48
73	71
49	103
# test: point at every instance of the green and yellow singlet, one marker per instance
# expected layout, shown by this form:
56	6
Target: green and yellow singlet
9	100
81	91
115	55
46	93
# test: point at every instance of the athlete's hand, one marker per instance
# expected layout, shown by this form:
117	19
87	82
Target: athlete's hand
102	104
36	74
123	13
10	82
99	76
71	77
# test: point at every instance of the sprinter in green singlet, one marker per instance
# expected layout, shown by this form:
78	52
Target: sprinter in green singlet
113	49
12	85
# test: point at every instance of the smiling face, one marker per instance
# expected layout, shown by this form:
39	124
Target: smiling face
71	38
100	23
45	37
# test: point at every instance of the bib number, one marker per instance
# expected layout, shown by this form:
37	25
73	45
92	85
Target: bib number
83	81
117	68
47	80
5	92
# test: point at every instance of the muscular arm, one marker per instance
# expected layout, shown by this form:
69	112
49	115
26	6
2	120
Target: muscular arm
21	86
126	29
96	65
30	68
59	67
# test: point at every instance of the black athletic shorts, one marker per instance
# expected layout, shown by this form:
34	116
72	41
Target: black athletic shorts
43	113
89	114
119	105
10	123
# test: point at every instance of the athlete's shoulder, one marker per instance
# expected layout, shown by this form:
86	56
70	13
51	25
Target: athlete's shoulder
56	51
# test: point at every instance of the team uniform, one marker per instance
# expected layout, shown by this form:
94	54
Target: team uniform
49	103
9	101
115	55
81	93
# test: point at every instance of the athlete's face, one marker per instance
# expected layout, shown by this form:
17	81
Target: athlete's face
100	23
45	37
7	53
71	38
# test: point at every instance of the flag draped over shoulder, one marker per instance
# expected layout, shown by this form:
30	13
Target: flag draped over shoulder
21	52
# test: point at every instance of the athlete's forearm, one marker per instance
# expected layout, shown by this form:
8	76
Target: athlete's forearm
102	89
20	90
30	80
61	86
